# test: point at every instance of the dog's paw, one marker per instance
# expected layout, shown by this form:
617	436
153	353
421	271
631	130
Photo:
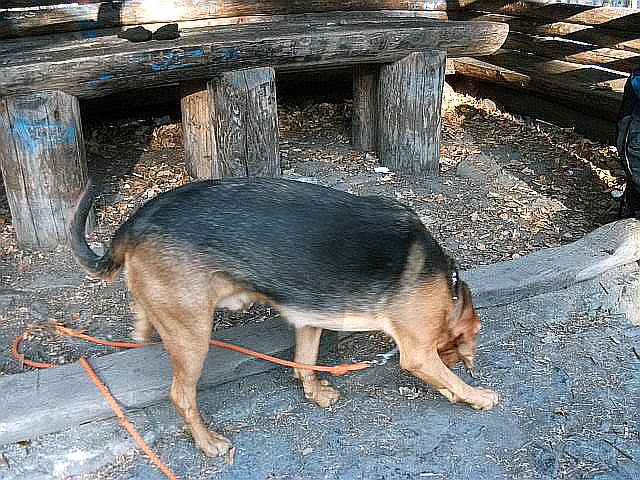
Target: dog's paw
213	444
320	392
483	399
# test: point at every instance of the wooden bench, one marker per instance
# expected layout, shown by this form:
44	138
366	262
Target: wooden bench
571	56
55	53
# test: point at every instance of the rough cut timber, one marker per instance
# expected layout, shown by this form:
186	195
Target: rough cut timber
618	18
197	136
45	401
43	164
409	106
244	124
19	18
364	119
586	89
600	36
99	66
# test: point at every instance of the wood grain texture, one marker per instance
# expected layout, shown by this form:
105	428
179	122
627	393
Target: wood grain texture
574	52
615	18
552	269
364	119
43	165
45	401
409	107
97	67
594	91
244	124
19	18
599	36
197	134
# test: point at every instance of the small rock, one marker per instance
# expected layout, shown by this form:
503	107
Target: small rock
307	451
409	392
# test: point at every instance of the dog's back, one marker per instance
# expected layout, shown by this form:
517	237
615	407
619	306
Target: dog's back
295	243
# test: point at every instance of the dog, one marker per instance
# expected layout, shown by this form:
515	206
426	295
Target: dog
325	259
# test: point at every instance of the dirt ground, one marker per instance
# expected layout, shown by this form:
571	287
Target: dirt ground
508	186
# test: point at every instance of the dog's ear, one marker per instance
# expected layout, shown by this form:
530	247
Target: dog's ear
462	315
463	324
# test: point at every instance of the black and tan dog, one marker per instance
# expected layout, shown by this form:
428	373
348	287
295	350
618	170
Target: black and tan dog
323	258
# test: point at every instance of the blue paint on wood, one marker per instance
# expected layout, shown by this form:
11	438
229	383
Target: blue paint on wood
229	53
96	83
34	134
174	60
89	34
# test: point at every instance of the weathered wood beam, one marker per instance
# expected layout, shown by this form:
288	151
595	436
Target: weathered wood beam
586	89
43	165
599	36
197	135
20	18
364	119
409	106
615	18
137	378
574	52
244	124
106	66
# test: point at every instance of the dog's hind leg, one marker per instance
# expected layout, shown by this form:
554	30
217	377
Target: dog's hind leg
182	314
142	329
318	391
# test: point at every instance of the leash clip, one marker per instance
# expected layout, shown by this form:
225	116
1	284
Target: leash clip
383	358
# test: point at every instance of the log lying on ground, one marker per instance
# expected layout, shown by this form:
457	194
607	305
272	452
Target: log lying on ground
45	401
565	82
552	269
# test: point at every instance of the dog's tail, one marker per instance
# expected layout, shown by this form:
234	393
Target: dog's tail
106	266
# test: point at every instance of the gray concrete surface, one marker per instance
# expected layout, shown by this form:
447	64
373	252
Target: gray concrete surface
566	363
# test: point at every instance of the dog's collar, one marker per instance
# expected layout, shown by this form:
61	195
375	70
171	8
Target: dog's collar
455	280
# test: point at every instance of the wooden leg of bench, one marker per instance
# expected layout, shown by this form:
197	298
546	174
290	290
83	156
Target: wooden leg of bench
365	107
244	122
197	135
409	107
43	164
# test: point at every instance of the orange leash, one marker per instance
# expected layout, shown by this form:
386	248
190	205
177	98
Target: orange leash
335	370
128	426
15	350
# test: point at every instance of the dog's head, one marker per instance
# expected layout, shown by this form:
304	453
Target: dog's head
463	325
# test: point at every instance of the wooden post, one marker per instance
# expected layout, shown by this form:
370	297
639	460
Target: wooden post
197	135
409	106
43	164
365	107
244	120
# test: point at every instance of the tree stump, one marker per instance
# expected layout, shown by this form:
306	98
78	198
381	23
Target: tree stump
409	106
43	165
365	107
197	135
244	122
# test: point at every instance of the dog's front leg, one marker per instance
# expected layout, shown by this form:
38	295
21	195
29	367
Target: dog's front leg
419	356
318	391
429	368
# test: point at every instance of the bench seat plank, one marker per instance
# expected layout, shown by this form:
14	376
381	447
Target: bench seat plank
106	65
